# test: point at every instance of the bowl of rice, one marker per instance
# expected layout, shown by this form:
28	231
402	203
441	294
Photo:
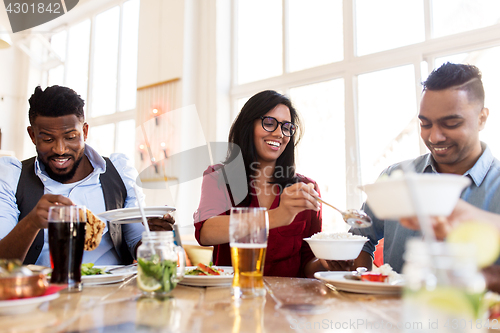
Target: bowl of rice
336	245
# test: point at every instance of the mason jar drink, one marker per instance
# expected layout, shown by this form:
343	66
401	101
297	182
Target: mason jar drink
161	263
443	288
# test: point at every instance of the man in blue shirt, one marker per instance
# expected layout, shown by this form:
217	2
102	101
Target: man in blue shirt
451	115
66	171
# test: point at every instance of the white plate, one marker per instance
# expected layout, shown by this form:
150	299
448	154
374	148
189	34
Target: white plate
133	215
209	280
116	276
363	287
24	305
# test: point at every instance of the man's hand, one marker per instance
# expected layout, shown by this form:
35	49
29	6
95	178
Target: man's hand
441	225
164	224
39	215
17	243
337	265
492	277
463	211
363	260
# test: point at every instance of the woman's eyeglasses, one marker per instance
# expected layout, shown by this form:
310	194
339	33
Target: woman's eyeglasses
270	124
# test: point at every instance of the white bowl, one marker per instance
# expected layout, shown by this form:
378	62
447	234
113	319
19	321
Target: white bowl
336	249
437	195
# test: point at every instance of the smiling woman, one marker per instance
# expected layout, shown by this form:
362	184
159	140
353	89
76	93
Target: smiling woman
268	140
263	137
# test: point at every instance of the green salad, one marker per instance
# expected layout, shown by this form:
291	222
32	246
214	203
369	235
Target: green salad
155	275
203	269
89	269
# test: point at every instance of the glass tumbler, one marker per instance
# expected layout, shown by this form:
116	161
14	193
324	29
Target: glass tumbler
66	243
248	232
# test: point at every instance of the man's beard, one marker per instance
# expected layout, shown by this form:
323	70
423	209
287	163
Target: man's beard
63	178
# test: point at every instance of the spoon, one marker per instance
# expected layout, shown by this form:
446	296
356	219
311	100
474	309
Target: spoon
354	217
357	274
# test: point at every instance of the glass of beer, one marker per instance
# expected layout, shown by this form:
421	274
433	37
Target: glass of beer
248	231
66	243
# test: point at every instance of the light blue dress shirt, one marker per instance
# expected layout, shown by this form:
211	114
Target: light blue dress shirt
86	192
484	192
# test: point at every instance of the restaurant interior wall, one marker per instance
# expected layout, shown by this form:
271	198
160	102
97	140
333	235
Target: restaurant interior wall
12	85
205	110
13	73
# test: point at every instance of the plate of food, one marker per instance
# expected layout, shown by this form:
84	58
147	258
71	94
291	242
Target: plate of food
208	276
381	281
24	305
96	275
133	214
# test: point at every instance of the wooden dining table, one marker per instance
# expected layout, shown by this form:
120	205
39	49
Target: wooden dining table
290	305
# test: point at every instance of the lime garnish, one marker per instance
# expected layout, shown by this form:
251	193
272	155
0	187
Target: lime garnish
147	283
483	235
448	300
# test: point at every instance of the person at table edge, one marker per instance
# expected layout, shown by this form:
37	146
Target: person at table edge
452	114
66	171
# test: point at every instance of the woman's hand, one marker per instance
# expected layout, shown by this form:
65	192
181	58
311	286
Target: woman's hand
295	199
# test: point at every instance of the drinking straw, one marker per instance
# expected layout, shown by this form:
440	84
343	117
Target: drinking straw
423	219
143	215
428	234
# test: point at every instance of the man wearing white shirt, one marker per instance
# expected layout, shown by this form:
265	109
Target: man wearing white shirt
65	171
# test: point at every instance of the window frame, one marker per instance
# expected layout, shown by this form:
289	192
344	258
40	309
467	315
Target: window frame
117	116
352	66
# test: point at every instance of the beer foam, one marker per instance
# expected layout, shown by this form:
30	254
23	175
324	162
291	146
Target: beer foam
337	236
248	246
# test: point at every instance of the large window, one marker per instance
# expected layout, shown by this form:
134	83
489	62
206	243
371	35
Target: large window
386	24
99	61
262	43
387	127
453	16
306	47
324	137
354	70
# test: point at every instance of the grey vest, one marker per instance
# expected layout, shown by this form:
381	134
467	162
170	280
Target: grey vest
30	189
